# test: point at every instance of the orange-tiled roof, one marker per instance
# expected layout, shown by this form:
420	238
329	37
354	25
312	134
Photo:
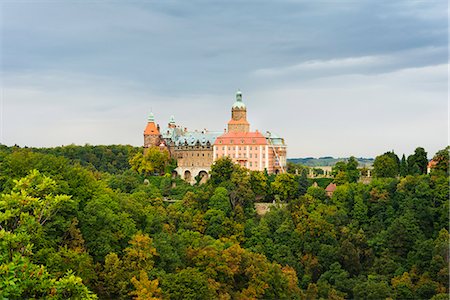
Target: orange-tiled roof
151	128
432	164
331	187
238	138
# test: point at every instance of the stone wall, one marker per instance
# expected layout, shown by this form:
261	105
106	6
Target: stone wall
193	156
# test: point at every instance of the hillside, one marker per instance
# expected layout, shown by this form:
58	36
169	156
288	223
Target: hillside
327	161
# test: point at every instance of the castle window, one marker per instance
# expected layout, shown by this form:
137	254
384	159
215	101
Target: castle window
203	154
223	148
250	164
239	148
250	147
242	141
256	155
250	155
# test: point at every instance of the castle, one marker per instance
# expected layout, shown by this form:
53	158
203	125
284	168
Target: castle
196	151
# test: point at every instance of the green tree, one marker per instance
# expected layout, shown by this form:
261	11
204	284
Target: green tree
258	183
317	193
403	166
285	186
303	183
188	283
360	210
221	170
385	166
372	289
154	160
346	172
402	234
413	168
105	227
220	201
421	160
352	171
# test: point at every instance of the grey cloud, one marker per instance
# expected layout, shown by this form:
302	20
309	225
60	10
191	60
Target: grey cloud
104	64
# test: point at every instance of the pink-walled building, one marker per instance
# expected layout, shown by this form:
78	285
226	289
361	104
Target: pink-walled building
252	150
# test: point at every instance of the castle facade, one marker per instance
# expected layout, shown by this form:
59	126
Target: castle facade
196	151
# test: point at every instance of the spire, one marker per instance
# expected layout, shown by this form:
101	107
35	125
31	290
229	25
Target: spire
151	117
172	120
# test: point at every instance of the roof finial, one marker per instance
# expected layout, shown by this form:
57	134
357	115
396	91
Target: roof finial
238	95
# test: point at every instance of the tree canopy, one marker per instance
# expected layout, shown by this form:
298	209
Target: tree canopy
70	229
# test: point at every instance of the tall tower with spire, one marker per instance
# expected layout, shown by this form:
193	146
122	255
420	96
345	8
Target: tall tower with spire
238	122
152	136
172	122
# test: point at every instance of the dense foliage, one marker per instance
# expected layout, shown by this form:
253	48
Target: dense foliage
73	229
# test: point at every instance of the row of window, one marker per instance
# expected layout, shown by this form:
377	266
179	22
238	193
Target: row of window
239	148
192	154
242	141
240	155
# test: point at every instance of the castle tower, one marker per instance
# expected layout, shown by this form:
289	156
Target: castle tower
151	133
238	122
172	122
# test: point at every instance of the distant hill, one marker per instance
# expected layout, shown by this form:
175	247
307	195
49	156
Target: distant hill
327	161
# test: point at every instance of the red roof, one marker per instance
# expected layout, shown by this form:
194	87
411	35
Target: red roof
432	164
331	187
151	129
237	138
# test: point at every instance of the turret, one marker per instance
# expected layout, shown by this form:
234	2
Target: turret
172	122
151	133
238	122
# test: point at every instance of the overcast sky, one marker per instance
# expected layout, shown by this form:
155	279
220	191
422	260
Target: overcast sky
334	78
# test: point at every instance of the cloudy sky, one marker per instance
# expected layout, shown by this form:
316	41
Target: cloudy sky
335	78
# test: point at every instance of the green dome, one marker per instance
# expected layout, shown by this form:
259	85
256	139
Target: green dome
151	117
239	103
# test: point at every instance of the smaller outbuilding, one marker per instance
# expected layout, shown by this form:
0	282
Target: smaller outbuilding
330	189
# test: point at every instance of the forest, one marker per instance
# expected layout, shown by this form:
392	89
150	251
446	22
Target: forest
93	222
